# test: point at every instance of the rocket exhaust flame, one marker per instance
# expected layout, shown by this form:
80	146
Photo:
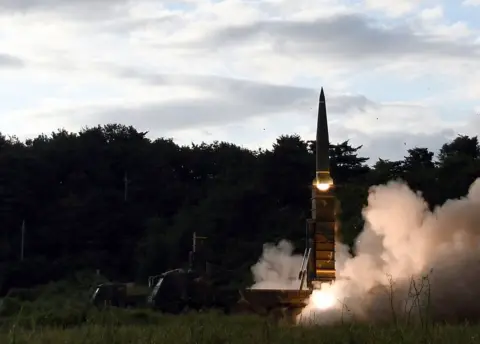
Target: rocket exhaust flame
323	300
323	186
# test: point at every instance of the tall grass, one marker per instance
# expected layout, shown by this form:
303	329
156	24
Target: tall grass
217	329
60	314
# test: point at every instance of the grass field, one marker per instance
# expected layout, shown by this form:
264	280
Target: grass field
215	329
59	313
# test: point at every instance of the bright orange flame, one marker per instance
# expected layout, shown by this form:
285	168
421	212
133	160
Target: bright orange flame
323	186
322	299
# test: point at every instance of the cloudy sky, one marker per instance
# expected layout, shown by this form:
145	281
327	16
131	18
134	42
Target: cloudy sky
396	73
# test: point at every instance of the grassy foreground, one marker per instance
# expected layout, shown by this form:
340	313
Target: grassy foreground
60	313
146	327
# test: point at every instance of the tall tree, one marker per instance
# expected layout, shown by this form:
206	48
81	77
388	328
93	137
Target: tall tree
459	166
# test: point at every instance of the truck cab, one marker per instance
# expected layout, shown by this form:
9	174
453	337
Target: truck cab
109	294
179	289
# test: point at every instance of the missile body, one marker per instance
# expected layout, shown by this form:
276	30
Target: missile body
322	161
321	227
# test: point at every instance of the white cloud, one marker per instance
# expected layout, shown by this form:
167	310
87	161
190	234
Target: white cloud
394	8
471	3
432	13
472	89
224	69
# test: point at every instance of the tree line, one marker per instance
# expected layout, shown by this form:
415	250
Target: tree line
110	199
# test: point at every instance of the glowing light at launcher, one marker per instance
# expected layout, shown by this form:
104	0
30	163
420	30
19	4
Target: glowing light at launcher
323	186
322	299
323	181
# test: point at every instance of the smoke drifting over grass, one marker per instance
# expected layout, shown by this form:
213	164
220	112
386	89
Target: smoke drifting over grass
409	262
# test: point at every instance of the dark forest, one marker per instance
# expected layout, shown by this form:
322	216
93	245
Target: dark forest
110	199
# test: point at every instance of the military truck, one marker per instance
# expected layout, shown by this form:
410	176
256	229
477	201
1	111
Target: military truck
180	290
120	295
198	288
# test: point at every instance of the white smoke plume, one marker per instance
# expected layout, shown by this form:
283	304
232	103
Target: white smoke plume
409	261
277	268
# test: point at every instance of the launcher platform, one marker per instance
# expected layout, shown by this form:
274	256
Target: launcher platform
280	303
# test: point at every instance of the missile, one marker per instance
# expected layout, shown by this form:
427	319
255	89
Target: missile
321	227
323	180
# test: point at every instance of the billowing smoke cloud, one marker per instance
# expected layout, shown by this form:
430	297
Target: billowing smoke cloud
409	262
277	268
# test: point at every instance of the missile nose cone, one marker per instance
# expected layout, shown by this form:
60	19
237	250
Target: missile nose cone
322	96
